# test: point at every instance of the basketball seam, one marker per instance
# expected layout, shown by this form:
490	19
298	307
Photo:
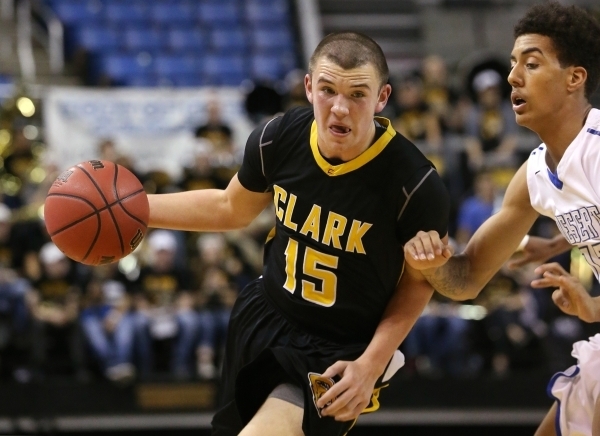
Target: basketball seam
96	211
116	193
108	207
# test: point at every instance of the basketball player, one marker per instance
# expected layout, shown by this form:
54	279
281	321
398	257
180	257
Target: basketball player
335	299
555	69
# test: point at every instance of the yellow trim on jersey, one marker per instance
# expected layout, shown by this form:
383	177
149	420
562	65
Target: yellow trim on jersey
374	400
271	235
365	157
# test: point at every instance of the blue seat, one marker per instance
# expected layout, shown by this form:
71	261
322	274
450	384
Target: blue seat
229	40
229	70
260	13
72	12
142	81
122	66
97	38
136	39
272	39
217	14
190	80
266	66
187	39
5	80
173	13
173	65
127	13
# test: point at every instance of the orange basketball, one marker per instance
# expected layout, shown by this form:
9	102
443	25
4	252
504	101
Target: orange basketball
96	212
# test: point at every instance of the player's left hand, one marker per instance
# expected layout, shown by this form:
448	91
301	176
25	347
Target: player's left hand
352	394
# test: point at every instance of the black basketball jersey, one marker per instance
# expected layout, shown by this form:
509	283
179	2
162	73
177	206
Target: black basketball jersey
335	255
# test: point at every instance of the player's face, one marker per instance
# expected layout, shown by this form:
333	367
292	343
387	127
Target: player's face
539	83
344	102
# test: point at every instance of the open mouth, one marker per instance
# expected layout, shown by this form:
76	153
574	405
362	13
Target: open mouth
517	101
339	129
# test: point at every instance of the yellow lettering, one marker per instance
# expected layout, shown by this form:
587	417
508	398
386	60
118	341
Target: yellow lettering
336	224
357	231
288	213
279	193
312	223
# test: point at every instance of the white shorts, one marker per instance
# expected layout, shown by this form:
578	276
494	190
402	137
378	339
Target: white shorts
576	389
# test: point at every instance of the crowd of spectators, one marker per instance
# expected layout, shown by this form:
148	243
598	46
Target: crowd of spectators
162	312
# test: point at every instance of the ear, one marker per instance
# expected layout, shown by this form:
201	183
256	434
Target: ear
577	79
384	95
308	88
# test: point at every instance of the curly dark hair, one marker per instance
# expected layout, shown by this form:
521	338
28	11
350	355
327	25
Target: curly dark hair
575	35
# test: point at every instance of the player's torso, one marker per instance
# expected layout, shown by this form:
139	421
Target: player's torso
571	195
334	253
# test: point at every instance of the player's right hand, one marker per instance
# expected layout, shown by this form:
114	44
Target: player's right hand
427	250
570	296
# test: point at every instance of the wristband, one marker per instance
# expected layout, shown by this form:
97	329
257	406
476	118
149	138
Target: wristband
523	243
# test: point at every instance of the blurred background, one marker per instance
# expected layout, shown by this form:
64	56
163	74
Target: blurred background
170	89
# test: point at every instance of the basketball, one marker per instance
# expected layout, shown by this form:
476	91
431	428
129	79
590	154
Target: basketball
96	212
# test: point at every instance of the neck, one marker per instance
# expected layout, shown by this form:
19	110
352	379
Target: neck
560	133
347	154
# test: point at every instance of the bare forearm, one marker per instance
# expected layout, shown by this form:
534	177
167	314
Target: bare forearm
594	310
559	245
452	279
405	306
207	210
190	211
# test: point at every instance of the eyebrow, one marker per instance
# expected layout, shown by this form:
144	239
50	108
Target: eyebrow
527	51
359	85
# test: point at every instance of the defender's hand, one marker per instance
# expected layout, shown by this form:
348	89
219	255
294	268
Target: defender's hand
427	250
570	297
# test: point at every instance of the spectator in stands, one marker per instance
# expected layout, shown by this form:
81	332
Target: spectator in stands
108	325
223	159
295	95
512	326
107	150
18	163
476	208
217	296
165	312
54	306
449	106
7	244
437	344
14	318
491	128
30	235
414	117
202	174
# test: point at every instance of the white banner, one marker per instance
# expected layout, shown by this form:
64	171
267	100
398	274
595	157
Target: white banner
154	127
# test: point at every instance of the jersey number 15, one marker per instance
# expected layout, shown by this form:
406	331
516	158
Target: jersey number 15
311	264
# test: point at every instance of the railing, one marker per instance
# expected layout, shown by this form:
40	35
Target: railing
311	29
47	29
24	45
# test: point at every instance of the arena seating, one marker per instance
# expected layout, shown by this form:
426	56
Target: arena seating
179	42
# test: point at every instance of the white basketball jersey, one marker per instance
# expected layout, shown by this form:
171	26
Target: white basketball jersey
571	196
577	388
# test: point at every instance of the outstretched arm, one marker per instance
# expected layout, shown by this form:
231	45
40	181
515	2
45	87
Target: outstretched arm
539	250
463	276
353	392
207	210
